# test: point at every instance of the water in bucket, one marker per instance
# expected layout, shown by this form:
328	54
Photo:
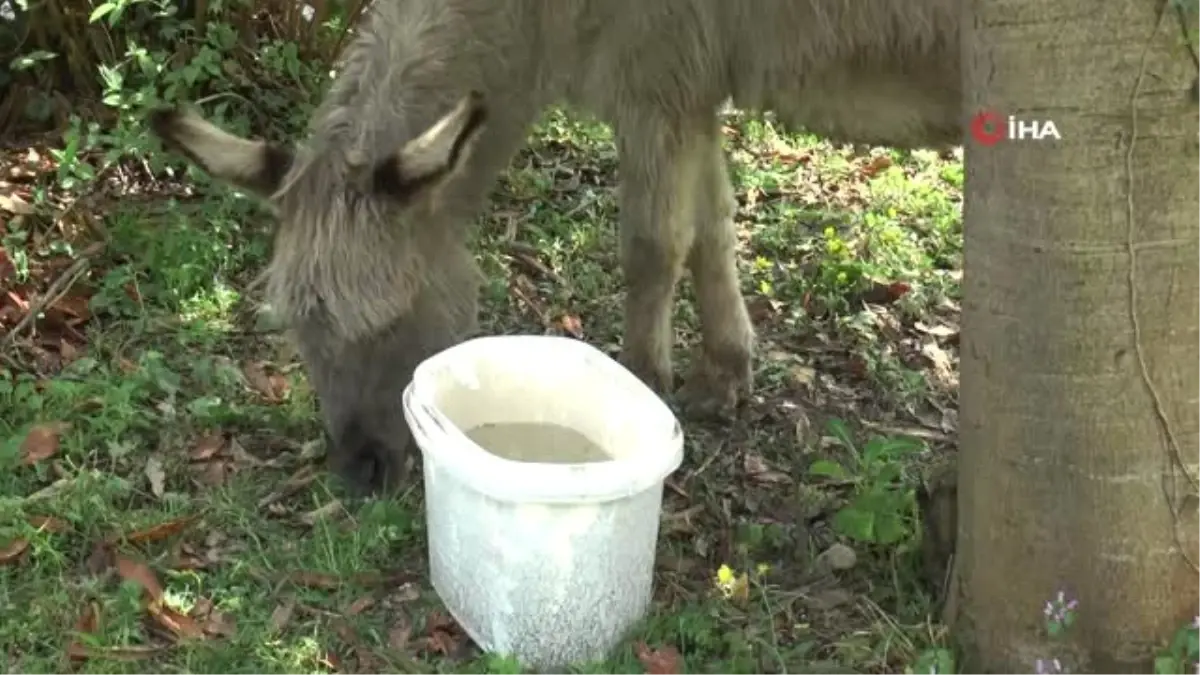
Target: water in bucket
537	442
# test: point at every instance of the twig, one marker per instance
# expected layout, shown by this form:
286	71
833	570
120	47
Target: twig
1174	457
705	464
916	432
56	291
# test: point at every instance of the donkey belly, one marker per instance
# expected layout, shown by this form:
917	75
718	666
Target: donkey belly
850	70
855	105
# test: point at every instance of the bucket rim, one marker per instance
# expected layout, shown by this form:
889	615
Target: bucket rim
444	443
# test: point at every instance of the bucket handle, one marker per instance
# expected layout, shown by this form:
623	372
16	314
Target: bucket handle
424	411
434	417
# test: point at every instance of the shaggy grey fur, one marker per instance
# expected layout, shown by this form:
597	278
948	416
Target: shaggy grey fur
433	98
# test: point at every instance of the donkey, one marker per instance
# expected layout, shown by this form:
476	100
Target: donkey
433	98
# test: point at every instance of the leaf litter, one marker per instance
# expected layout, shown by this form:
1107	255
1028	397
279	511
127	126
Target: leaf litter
156	475
41	443
264	380
14	550
663	660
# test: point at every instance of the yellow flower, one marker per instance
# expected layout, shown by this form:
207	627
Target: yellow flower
725	575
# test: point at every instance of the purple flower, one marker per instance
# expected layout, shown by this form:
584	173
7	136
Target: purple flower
1048	666
1060	612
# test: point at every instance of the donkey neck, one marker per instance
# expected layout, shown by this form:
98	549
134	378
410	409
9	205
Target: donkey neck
410	63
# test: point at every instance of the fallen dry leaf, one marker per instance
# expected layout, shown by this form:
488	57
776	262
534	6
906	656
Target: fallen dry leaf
665	660
314	579
283	614
68	351
13	550
367	661
405	592
49	523
940	330
330	661
16	549
827	599
88	623
384	578
201	609
101	559
160	531
328	581
944	374
295	483
400	633
346	632
79	652
75	306
180	625
444	636
14	204
761	308
272	386
884	294
239	454
206	447
214	472
186	557
802	375
140	574
359	606
332	510
757	469
878	163
41	442
572	325
156	475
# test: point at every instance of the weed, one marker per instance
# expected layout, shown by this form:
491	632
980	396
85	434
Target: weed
882	506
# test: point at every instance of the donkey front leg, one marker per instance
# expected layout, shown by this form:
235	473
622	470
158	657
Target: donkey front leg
722	375
658	177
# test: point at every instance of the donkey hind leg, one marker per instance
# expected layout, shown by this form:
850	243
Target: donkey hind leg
658	177
722	374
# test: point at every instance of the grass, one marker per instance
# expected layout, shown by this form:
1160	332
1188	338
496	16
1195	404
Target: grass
163	500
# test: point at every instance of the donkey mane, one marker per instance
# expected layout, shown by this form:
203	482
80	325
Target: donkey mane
342	250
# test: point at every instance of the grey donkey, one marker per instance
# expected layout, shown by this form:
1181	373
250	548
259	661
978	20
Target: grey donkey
433	97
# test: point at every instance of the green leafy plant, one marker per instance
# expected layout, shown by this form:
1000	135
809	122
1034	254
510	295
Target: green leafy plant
881	507
933	660
1182	655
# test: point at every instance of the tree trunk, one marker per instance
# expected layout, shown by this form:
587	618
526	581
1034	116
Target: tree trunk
1079	420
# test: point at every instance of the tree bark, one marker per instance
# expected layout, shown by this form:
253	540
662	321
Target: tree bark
1081	337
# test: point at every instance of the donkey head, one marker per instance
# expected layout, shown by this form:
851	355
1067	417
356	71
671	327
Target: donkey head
370	268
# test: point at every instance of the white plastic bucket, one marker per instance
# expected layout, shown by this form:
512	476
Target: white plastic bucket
549	562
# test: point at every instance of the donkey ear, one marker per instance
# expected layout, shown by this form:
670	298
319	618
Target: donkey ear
256	166
429	159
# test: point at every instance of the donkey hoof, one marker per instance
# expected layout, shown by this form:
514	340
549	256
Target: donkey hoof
714	401
714	392
368	466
